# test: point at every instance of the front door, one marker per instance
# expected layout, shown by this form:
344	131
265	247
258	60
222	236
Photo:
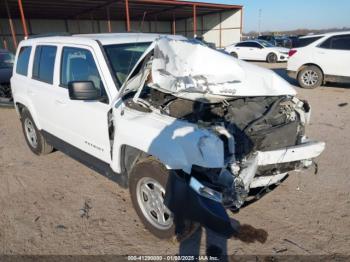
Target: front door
83	124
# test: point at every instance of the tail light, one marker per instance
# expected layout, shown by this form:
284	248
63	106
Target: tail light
291	52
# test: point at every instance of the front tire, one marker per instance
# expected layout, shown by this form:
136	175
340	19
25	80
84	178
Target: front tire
271	58
35	140
147	183
310	77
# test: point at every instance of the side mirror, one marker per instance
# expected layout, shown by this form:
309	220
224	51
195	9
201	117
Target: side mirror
83	90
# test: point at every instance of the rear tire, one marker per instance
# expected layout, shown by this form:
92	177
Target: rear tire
147	184
35	140
234	54
271	58
310	77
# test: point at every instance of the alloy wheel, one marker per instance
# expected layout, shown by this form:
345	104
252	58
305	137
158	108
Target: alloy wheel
150	196
30	132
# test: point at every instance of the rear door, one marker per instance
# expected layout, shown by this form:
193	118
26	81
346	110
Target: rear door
243	50
333	55
42	83
20	82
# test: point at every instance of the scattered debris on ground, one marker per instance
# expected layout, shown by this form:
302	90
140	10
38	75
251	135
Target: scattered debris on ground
85	211
342	104
295	244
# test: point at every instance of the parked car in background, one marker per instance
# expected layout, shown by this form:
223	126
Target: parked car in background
294	40
269	38
283	41
6	64
258	50
320	58
209	44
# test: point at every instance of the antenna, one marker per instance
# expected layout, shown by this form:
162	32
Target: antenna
143	20
137	39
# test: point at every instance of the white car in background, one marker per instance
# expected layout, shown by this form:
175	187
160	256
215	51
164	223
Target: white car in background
320	58
258	50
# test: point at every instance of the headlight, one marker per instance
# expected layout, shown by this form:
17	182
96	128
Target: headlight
205	191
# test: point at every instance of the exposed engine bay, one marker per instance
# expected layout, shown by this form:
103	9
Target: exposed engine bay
256	123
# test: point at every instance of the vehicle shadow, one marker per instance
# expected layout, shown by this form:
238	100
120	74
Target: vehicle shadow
282	72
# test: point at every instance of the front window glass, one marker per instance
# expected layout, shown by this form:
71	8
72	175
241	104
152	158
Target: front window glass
6	60
79	65
123	58
256	45
243	44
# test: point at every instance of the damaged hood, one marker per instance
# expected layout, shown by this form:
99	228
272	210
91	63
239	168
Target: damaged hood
189	69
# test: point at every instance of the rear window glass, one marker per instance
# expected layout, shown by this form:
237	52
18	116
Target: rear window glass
44	62
23	60
302	42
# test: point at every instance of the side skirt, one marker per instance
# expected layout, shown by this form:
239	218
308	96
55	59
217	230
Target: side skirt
337	79
86	159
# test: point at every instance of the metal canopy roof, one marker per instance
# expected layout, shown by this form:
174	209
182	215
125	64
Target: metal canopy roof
97	9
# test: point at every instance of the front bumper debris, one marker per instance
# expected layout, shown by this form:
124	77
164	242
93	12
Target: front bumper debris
307	150
186	204
190	199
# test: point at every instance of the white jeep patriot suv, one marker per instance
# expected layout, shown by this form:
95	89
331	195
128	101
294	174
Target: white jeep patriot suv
190	130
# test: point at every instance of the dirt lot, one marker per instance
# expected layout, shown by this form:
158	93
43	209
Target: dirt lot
41	199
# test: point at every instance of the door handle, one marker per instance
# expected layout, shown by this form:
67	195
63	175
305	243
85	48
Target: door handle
30	92
60	102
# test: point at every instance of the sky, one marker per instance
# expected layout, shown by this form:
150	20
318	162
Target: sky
280	15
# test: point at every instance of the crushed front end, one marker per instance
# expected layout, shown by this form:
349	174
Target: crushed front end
264	139
252	111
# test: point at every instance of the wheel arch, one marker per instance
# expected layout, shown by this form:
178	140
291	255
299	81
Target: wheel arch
234	52
129	156
309	64
22	103
273	52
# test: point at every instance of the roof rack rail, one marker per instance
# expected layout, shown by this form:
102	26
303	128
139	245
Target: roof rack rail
49	35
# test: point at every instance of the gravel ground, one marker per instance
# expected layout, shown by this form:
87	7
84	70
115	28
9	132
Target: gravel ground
41	199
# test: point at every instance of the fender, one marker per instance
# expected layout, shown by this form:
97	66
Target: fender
20	99
177	144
